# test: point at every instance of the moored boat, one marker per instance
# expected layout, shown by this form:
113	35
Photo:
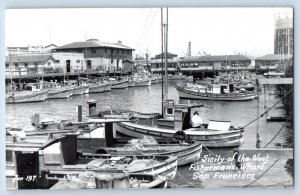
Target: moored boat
220	92
26	97
176	121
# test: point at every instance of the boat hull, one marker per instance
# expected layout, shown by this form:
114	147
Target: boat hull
154	80
131	84
79	90
189	94
222	139
33	97
120	85
100	88
60	93
143	83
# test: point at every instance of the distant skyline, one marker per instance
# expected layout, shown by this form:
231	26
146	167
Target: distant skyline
216	31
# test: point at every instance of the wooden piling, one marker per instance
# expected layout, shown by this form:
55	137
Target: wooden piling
112	181
92	108
79	111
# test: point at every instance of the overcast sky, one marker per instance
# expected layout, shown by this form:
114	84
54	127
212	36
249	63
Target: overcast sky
217	31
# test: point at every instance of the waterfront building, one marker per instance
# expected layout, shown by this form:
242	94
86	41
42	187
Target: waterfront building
29	64
216	62
98	55
29	50
272	61
69	62
156	62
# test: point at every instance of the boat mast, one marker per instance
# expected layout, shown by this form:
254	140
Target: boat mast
11	80
166	57
162	62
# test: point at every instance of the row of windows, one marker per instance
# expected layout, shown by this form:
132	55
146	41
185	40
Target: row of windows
94	50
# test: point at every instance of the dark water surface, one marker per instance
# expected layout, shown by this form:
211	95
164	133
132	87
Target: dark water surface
148	99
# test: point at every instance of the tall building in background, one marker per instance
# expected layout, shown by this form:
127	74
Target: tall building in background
284	34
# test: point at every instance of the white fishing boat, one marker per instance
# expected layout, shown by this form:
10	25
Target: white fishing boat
34	94
57	91
26	97
176	122
220	92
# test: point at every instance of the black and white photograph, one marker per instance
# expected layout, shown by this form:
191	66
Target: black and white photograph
156	97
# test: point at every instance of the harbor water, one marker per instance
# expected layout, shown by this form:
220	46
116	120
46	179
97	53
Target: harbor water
148	99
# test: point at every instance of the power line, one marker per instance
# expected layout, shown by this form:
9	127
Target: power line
143	30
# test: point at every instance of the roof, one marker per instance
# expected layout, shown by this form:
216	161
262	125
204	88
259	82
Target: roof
215	58
28	58
275	57
50	45
93	43
158	56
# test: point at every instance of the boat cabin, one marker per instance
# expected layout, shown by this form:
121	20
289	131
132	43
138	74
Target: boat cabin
176	116
221	88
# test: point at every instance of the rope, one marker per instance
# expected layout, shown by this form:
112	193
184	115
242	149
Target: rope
209	150
262	173
268	109
279	130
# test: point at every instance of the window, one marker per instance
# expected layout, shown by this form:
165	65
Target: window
77	61
16	65
170	111
7	65
49	63
93	50
111	51
127	51
26	65
117	51
123	51
105	50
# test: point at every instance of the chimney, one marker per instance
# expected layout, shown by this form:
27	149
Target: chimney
119	42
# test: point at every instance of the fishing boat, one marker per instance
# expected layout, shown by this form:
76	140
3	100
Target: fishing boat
26	97
220	92
186	153
176	121
57	91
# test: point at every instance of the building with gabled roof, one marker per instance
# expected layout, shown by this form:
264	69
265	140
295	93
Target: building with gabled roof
99	55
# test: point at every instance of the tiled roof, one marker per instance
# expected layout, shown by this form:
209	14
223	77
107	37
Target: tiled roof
275	57
92	43
214	58
28	58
